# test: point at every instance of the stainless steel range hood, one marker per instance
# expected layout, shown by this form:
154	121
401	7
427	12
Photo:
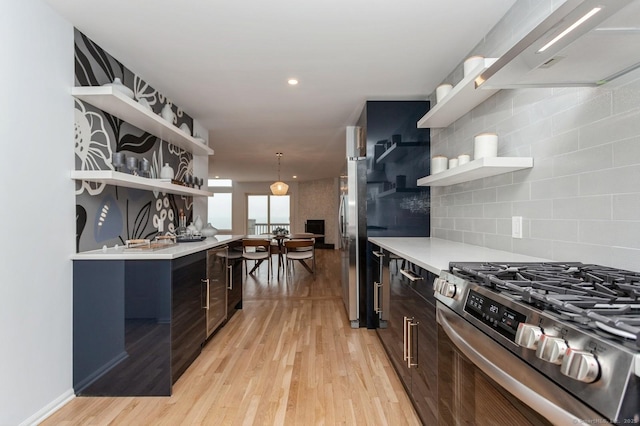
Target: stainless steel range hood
604	46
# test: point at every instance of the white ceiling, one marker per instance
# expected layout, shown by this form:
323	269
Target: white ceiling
226	63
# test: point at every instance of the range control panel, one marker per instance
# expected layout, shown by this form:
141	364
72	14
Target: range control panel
505	321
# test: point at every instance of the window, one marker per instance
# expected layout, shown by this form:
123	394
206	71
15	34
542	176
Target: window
220	205
267	212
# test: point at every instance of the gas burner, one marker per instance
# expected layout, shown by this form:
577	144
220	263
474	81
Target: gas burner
591	295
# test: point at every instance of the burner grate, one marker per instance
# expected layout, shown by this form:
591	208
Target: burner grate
596	296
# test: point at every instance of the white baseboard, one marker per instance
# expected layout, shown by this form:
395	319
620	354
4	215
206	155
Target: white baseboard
49	409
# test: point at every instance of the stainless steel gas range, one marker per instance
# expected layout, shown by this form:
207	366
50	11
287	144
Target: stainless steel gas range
571	331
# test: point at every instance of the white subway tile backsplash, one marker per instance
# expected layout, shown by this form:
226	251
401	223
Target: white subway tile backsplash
534	209
556	145
473	210
463	224
625	98
561	187
542	169
473	238
585	160
585	253
561	230
486	226
531	247
498	180
610	233
588	112
498	242
626	206
611	181
626	152
516	192
484	196
504	227
498	210
625	258
611	129
455	235
463	198
594	207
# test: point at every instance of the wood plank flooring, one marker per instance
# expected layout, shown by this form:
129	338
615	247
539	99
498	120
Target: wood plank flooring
289	357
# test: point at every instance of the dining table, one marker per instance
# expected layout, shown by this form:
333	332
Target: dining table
280	239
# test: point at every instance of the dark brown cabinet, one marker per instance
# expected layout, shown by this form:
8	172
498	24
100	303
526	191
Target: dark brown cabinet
410	333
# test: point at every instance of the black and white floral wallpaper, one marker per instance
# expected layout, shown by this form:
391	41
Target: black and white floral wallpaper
109	215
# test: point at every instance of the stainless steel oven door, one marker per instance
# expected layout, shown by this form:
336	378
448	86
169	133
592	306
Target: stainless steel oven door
482	383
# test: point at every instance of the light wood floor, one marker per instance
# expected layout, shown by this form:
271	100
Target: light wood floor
288	358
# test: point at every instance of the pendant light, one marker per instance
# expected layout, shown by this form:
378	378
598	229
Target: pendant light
279	187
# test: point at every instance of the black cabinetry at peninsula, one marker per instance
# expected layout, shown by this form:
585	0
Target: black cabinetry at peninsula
188	326
139	323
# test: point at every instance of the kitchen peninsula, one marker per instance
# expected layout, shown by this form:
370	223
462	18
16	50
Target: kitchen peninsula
139	318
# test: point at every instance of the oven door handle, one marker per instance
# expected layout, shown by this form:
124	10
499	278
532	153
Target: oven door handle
539	393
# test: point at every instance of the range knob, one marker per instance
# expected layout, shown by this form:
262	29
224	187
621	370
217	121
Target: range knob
528	335
444	287
580	365
551	349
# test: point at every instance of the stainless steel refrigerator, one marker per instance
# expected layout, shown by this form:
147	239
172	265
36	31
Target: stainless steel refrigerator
353	227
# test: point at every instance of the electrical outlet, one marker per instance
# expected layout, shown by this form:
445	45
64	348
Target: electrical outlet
516	227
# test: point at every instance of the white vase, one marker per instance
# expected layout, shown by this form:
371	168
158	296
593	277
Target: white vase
198	223
209	230
167	172
117	85
168	114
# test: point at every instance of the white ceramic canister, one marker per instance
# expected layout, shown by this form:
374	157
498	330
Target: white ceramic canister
438	164
472	63
485	145
442	91
463	159
453	162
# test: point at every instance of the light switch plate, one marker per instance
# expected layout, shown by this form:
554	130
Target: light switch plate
516	227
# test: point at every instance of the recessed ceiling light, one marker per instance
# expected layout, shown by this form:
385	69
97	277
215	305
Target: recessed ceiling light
217	177
295	177
292	81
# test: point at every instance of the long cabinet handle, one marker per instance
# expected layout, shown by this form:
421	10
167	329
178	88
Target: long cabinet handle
412	277
206	303
405	328
376	297
410	325
230	286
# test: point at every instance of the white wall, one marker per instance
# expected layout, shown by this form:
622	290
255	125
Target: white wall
38	211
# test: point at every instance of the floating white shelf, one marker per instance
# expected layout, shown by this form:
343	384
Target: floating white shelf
463	98
111	177
115	103
477	169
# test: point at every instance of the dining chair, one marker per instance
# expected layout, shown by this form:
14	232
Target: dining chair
301	250
259	250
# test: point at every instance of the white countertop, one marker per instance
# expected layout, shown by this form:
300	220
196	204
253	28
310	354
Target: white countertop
434	254
173	252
